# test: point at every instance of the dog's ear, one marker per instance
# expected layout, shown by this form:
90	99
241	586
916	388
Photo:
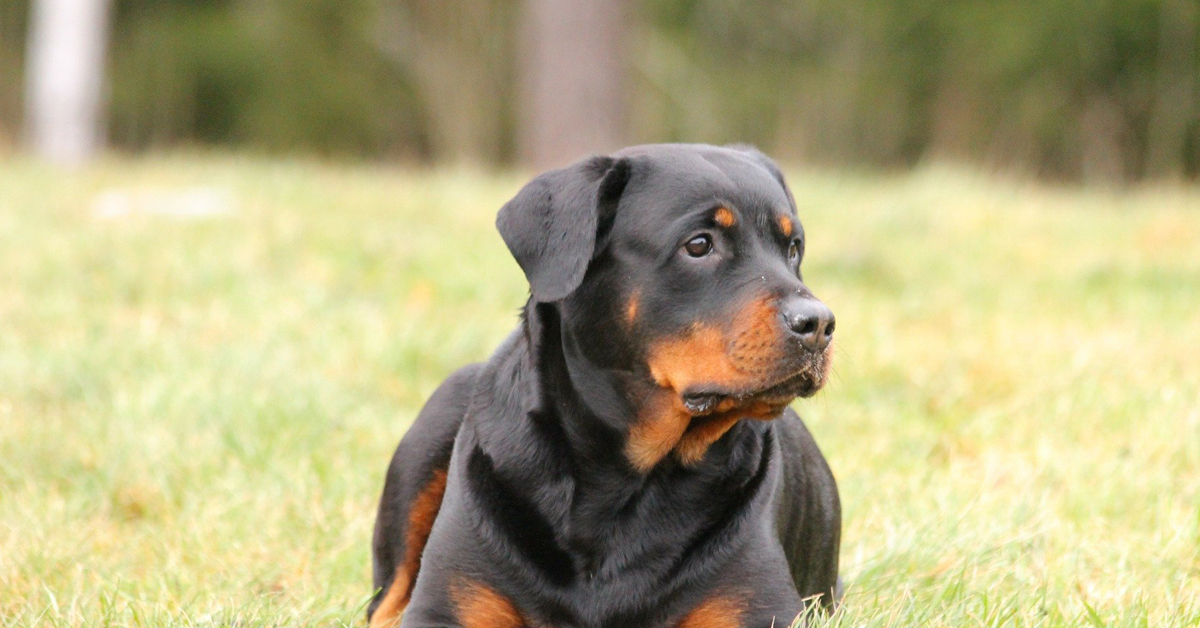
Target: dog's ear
553	224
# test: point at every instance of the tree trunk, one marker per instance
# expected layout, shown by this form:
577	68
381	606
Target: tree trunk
572	80
64	78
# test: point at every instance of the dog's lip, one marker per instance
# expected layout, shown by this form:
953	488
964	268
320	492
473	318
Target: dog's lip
704	401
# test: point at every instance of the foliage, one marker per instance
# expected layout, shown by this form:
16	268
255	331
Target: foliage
196	415
1057	87
283	77
1105	90
13	20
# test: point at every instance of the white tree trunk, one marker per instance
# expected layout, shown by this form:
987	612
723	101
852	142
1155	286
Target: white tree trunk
65	78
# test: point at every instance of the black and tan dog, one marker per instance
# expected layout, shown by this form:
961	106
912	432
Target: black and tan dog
627	457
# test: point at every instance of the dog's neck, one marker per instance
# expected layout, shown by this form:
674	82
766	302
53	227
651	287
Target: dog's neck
553	447
580	411
594	402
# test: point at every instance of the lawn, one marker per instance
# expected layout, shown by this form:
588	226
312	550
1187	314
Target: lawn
196	412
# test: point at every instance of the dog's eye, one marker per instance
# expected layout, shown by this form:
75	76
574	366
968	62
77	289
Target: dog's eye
794	251
699	246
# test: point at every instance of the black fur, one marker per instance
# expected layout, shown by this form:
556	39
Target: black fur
543	505
552	225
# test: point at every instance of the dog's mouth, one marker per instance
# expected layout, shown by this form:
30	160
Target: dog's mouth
763	402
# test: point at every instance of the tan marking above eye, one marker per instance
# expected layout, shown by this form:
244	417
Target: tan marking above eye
724	217
785	225
631	308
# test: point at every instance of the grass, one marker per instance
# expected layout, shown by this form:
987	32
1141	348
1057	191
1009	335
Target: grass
195	415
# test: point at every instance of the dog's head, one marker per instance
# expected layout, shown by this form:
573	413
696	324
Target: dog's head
680	266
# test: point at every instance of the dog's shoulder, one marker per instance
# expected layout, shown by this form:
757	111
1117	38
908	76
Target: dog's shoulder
443	413
428	442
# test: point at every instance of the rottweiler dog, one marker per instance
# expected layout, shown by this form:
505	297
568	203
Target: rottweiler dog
627	458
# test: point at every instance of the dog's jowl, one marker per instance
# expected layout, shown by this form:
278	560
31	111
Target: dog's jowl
627	457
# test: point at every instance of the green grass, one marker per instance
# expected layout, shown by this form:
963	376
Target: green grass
195	416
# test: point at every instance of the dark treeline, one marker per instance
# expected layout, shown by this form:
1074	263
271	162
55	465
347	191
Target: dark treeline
1105	90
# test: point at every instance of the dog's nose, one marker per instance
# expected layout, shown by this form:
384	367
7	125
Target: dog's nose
809	319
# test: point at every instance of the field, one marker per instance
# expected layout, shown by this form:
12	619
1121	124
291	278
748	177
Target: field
196	412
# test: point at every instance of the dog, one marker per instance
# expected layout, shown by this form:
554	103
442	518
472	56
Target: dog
627	458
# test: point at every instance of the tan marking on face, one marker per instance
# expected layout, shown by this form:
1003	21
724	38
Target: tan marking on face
785	225
631	308
744	357
696	440
741	357
724	217
660	425
722	611
478	606
420	521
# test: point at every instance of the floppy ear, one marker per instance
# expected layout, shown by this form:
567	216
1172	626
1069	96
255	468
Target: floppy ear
552	225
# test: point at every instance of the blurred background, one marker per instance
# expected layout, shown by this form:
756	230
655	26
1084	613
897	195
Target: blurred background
1084	90
276	237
